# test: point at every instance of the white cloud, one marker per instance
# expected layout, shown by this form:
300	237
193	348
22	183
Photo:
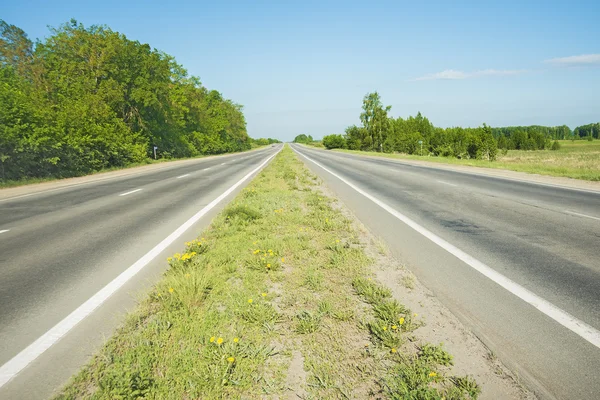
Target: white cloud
451	74
585	59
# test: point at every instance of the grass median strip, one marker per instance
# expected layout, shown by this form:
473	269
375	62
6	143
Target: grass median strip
275	299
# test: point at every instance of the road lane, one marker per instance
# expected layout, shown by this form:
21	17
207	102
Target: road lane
66	245
519	229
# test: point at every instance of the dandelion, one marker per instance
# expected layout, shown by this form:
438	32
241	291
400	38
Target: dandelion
401	320
432	374
231	359
282	259
385	328
169	259
268	265
256	251
394	327
212	339
270	251
393	350
236	340
326	219
250	301
415	314
220	340
263	294
171	290
159	295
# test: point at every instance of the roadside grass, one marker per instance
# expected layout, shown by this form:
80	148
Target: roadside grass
279	279
579	159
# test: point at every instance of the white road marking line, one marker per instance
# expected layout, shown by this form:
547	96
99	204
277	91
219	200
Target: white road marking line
127	193
183	176
223	163
567	320
44	342
5	230
582	215
447	183
206	169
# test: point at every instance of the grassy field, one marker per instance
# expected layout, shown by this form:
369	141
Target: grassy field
275	300
578	159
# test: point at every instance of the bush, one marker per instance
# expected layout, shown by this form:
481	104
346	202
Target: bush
334	142
555	145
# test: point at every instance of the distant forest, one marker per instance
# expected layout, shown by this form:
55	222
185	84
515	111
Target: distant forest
417	135
86	99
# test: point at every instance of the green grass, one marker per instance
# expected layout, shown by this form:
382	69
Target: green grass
278	272
579	159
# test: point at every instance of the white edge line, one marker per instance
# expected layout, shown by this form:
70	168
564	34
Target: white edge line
223	163
15	365
447	183
582	215
4	230
206	169
567	320
183	176
130	192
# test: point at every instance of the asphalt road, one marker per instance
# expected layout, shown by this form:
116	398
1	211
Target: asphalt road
545	239
60	247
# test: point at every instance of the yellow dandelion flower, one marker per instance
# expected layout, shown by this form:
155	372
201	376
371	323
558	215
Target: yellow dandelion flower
270	251
212	339
394	327
401	320
415	315
393	350
268	265
236	340
250	301
263	294
171	290
433	374
231	359
256	251
220	341
282	259
203	239
385	328
159	295
326	219
169	259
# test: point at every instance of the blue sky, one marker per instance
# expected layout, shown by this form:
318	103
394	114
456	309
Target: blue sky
303	67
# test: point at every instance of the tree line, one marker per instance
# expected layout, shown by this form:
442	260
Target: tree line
417	135
85	99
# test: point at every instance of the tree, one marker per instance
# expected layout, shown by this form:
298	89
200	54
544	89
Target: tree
375	120
334	142
302	138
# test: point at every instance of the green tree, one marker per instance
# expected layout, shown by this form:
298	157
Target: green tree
334	142
375	120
